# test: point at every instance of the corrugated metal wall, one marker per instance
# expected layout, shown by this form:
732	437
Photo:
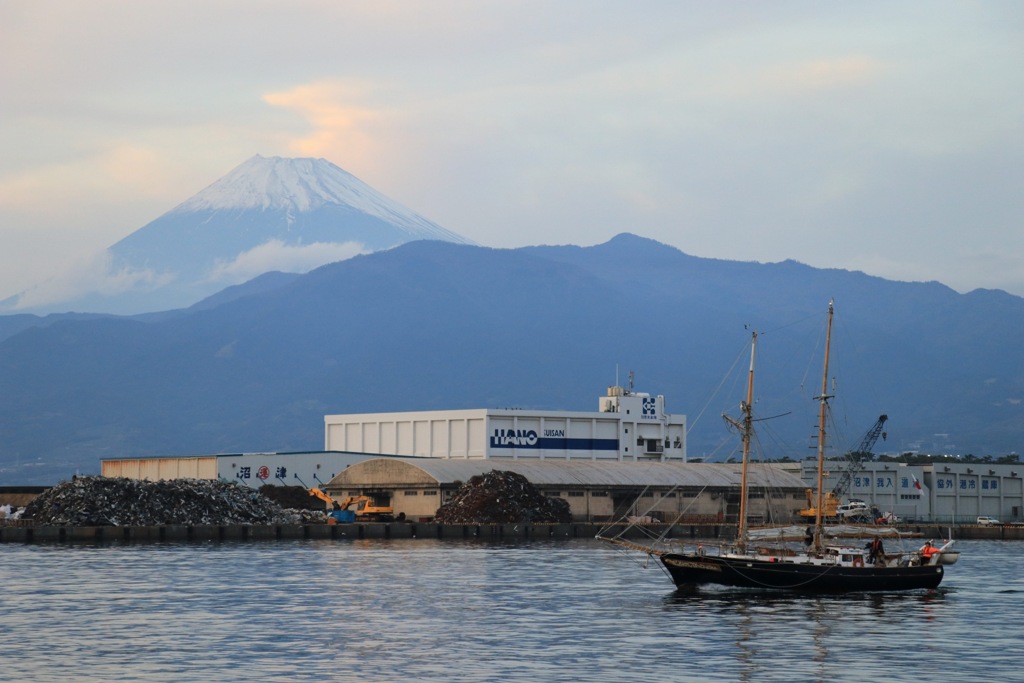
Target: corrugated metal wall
454	434
155	469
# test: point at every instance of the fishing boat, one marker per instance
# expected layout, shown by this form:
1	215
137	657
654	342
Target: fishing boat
819	563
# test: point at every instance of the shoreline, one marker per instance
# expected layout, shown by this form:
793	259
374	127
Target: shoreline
201	533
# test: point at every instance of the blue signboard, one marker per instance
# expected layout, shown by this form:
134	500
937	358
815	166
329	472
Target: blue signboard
553	439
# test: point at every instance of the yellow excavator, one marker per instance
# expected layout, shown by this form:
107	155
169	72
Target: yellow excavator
354	508
829	506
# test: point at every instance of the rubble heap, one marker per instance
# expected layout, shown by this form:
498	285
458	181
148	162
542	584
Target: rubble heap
108	501
292	497
501	497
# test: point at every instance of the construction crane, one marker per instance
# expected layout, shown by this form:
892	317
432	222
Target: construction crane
854	459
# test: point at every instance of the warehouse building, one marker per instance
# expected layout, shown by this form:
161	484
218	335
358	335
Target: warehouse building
627	427
595	490
954	492
304	468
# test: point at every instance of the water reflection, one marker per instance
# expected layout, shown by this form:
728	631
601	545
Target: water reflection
804	634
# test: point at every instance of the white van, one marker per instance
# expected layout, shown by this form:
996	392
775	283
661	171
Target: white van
988	521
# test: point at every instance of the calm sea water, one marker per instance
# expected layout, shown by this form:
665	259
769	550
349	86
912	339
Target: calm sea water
419	610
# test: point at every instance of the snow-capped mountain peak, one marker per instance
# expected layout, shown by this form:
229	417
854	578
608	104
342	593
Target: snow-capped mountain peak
305	184
268	214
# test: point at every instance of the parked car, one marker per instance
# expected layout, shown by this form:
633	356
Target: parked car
988	521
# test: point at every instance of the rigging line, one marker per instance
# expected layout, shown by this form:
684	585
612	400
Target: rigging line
839	397
792	324
767	472
654	504
772	417
679	517
625	514
725	441
811	359
739	357
837	435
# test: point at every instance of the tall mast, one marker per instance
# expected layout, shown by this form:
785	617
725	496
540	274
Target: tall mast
823	399
745	427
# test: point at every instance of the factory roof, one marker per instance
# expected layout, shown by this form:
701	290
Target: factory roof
399	471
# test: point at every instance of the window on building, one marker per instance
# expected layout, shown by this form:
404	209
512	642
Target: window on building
575	494
412	493
430	493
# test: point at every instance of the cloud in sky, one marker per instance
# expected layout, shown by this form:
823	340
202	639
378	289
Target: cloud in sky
874	136
336	121
98	273
276	255
89	273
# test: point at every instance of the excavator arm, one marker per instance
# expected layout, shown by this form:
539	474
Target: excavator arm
322	496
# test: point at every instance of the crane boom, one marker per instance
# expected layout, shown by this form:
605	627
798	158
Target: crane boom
856	457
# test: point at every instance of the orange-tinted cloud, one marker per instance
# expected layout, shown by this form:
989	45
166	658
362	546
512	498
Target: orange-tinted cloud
338	121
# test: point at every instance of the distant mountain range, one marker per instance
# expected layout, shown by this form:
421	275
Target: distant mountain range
440	325
268	214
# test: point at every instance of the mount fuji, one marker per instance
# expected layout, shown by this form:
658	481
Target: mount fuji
268	214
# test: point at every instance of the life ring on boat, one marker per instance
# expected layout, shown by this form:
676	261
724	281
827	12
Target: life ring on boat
858	561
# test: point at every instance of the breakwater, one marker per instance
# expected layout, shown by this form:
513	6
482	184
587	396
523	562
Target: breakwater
180	533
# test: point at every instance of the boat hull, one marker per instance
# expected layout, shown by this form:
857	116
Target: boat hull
695	570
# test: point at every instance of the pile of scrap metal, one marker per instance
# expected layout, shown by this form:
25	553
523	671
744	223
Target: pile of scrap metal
109	501
293	498
501	497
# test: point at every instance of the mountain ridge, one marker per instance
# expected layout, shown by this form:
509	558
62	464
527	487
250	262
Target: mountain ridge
434	326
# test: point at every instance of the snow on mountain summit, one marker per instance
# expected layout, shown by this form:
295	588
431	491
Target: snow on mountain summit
306	184
281	183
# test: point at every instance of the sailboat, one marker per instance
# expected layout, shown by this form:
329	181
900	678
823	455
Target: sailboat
820	566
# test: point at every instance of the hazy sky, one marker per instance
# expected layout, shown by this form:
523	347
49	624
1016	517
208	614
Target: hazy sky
881	136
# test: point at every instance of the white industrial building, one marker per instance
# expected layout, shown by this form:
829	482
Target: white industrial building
627	427
957	492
